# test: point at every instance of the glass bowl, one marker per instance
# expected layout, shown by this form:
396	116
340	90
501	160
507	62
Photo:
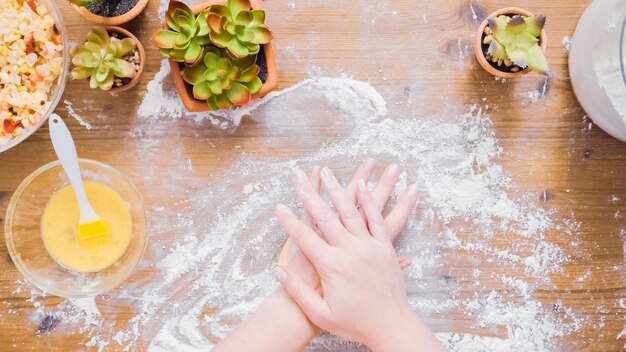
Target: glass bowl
57	89
26	246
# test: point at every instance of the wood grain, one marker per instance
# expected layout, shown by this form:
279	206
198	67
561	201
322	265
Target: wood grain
416	52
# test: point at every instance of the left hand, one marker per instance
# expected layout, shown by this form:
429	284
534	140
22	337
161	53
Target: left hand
293	259
363	295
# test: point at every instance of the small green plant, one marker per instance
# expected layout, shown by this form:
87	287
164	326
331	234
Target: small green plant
186	36
218	47
237	28
83	3
516	39
100	59
222	81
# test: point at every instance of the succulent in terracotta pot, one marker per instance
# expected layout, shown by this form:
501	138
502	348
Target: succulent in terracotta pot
238	28
186	34
221	81
109	12
220	53
111	58
512	42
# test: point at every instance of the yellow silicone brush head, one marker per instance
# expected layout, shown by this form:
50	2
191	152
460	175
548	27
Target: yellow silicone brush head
94	234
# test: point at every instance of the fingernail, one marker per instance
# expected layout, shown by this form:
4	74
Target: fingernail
393	170
283	209
370	163
280	274
412	192
361	184
327	176
297	174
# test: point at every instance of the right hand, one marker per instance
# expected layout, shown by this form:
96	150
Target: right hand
364	298
297	263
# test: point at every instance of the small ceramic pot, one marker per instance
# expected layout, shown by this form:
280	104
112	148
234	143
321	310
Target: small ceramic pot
111	21
142	58
480	34
184	90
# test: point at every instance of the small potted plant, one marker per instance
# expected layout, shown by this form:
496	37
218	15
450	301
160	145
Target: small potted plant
220	53
112	59
109	12
511	42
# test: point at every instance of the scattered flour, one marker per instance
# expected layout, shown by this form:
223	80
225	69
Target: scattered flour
70	111
539	94
209	261
159	102
162	103
566	41
219	268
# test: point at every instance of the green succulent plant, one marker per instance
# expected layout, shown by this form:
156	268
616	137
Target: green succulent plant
223	81
517	38
83	3
237	28
101	59
186	36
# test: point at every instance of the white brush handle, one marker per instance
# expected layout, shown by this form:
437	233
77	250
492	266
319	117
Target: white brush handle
66	152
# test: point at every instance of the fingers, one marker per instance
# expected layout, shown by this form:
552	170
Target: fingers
385	186
397	218
364	172
325	218
375	221
349	214
306	297
314	178
313	247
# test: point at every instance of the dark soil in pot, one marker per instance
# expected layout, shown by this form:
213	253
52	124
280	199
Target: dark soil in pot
262	62
133	58
111	8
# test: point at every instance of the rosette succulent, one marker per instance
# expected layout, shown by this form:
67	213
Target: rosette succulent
237	28
100	59
222	81
186	34
516	38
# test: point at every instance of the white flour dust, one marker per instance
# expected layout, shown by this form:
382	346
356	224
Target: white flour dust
566	41
159	102
226	240
211	251
70	111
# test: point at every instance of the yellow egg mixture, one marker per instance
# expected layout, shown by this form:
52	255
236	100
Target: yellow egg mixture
59	228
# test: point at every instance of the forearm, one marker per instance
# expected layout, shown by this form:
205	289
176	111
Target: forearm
412	335
277	325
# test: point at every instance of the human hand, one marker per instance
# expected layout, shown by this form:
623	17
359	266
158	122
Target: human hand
364	297
293	259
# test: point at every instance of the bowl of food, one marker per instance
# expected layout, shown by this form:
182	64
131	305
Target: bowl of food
33	66
41	229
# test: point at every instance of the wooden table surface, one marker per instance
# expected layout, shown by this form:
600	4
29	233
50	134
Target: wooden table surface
393	44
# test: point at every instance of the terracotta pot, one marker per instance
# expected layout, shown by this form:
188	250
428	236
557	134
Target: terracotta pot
112	21
184	90
142	58
478	51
